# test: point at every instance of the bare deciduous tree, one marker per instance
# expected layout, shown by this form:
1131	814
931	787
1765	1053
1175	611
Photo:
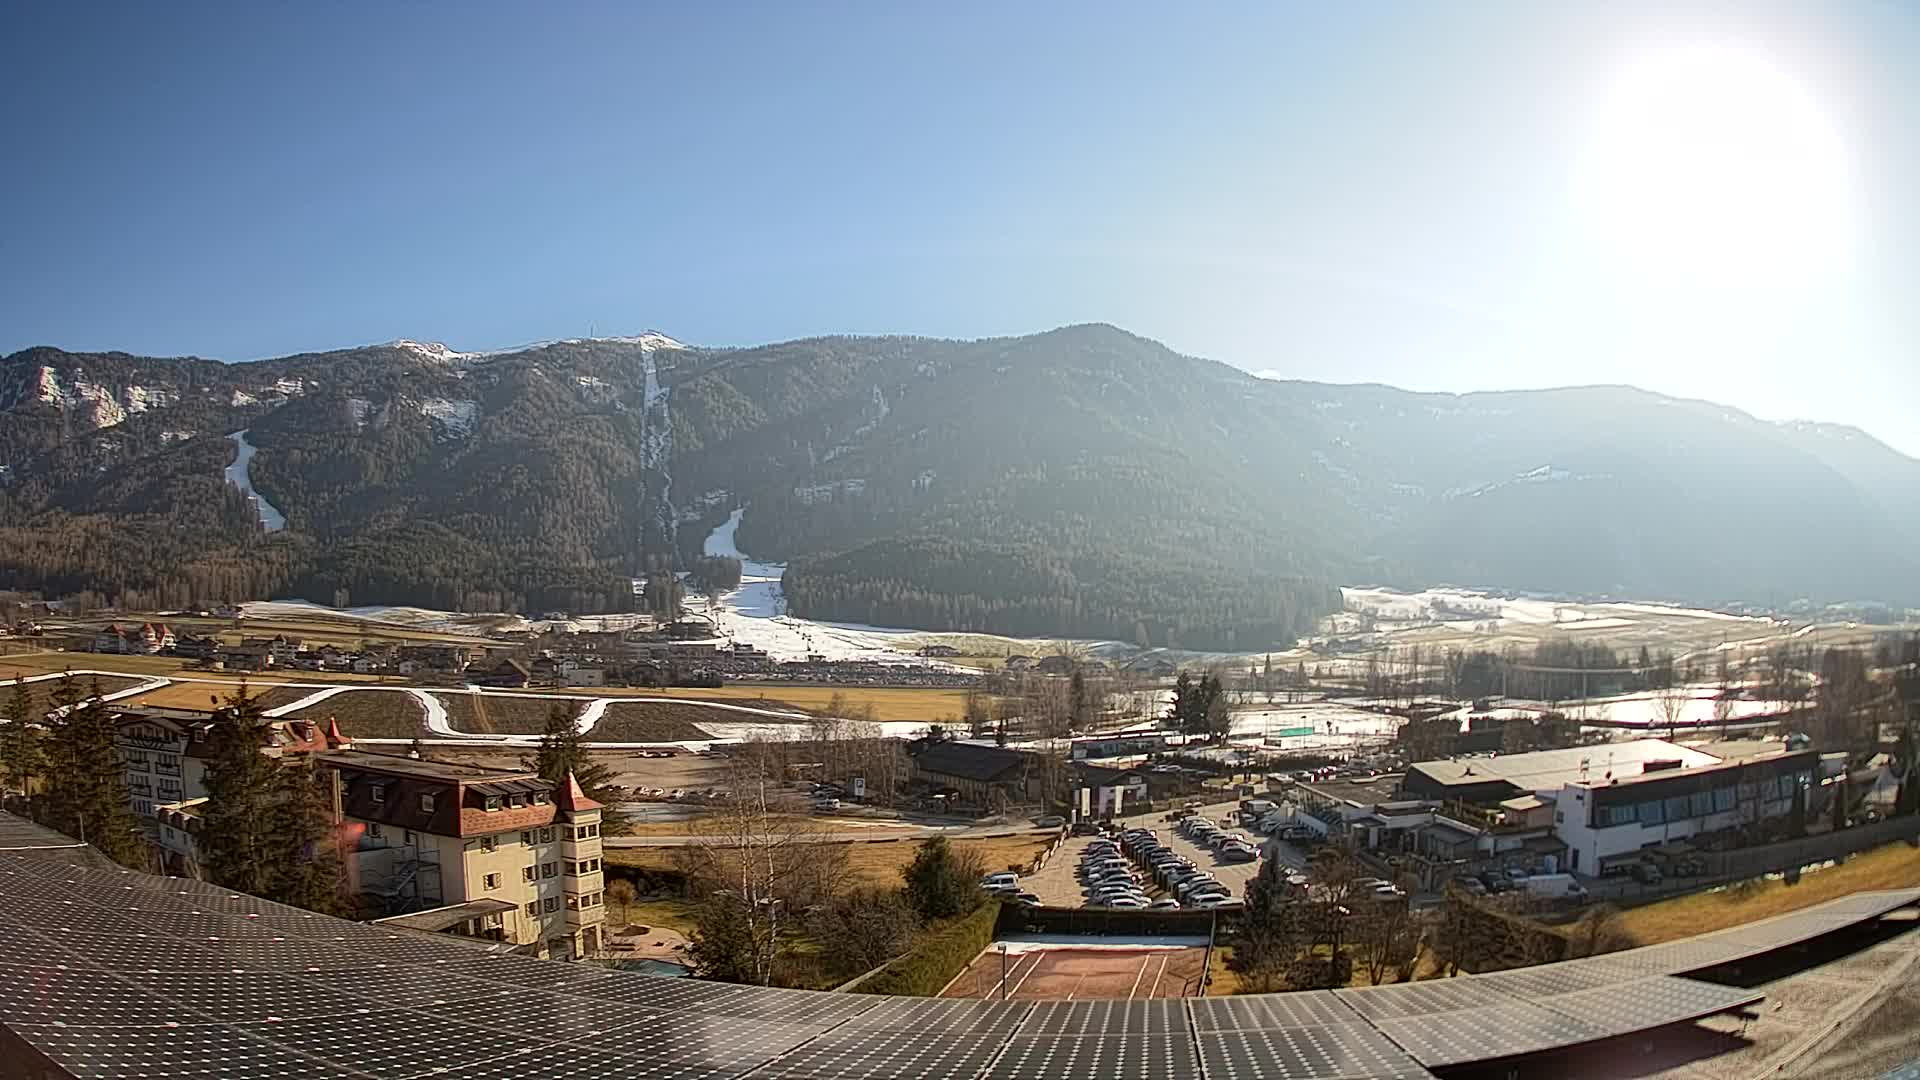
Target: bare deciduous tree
764	867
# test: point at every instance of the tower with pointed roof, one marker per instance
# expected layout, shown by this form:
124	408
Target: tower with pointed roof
583	882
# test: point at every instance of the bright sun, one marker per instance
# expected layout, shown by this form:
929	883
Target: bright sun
1712	169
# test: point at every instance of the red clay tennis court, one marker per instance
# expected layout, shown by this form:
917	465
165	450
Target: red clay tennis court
1069	974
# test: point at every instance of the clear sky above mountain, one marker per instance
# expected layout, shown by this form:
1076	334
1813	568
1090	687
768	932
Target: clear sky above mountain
1706	200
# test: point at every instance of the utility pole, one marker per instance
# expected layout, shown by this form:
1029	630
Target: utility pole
1003	971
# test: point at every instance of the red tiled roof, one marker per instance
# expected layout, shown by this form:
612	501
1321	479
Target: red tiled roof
475	821
571	796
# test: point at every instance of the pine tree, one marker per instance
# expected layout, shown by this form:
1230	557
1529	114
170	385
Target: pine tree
23	753
86	785
309	857
562	751
237	837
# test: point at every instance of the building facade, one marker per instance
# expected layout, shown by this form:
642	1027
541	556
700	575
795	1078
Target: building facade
424	835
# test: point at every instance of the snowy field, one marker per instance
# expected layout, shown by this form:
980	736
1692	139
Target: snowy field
1467	608
1649	710
755	614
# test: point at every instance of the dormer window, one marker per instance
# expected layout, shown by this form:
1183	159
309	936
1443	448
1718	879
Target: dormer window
379	792
493	802
426	802
540	798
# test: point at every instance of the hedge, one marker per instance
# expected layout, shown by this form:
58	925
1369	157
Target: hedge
937	957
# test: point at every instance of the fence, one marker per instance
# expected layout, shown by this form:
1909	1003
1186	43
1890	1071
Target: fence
1017	919
1725	867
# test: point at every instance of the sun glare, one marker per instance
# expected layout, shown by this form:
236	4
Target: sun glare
1713	169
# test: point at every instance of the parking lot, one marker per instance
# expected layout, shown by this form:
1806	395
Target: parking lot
1234	875
1058	886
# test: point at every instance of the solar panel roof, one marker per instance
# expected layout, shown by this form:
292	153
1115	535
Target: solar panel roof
108	972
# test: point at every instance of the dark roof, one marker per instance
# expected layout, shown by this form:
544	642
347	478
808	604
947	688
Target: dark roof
443	771
1095	776
459	794
971	761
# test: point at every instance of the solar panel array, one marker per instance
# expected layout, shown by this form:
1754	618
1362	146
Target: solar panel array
111	973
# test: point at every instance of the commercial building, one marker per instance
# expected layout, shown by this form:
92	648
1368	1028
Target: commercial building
1606	805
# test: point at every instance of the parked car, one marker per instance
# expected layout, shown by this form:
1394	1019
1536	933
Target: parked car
1004	877
1166	903
1050	821
1084	828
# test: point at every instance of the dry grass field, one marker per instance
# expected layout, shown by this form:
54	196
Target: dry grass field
503	715
370	714
908	703
655	721
38	693
1895	866
871	862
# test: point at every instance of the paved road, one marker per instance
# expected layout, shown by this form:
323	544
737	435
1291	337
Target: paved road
1055	884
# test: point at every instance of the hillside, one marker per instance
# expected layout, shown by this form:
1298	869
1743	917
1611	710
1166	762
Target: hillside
1083	481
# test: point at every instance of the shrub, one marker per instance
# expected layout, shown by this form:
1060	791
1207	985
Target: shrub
940	955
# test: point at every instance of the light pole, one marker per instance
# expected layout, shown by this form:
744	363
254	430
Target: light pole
1003	971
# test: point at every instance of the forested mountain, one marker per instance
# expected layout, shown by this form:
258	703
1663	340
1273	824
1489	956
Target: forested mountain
1083	481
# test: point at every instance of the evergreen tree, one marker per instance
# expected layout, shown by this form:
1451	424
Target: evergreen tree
86	784
238	839
941	883
562	751
309	857
1199	706
23	753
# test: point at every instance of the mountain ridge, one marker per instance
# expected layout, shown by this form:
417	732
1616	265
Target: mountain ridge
916	479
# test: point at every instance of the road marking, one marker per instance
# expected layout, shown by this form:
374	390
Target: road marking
1035	966
1141	974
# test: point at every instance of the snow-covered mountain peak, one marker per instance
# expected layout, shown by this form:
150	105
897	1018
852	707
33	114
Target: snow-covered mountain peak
429	350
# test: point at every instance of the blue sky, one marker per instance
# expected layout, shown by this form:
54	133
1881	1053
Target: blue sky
1444	197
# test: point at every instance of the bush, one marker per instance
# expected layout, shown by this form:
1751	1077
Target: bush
940	955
